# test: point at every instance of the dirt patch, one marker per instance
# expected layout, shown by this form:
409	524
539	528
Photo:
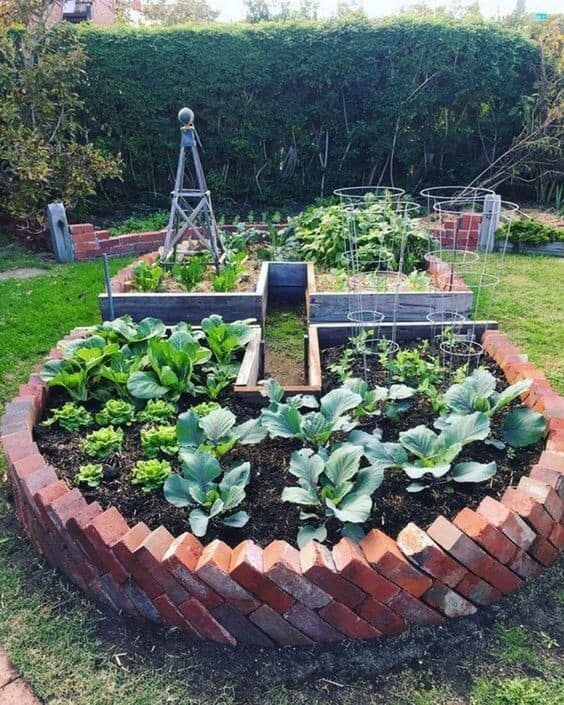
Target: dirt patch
22	273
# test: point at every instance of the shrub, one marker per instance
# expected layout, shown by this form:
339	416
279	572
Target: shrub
531	233
141	223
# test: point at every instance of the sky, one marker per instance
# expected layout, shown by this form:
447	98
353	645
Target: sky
235	9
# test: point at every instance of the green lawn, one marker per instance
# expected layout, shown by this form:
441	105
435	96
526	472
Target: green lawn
73	654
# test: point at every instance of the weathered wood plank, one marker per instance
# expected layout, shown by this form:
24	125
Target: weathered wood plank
403	306
330	334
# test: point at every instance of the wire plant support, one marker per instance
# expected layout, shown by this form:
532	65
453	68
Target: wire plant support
191	209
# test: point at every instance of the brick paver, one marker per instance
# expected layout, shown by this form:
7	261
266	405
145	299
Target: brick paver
14	690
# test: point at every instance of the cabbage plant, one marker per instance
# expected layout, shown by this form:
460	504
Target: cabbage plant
216	432
390	401
331	484
211	493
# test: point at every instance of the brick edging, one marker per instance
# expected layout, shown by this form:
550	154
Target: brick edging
280	595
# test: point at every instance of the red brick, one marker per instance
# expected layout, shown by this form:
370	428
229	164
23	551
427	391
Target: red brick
543	551
351	563
247	568
525	566
318	566
556	537
48	494
240	627
383	554
66	506
23	468
381	616
415	611
181	559
543	494
277	628
552	460
477	590
172	616
125	550
204	622
37	480
507	522
213	569
311	624
448	602
531	511
420	548
142	603
485	534
447	535
150	554
348	622
549	476
282	566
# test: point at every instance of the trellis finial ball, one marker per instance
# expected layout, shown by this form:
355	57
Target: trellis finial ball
186	116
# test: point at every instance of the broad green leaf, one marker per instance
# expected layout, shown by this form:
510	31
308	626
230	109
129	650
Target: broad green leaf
145	385
300	495
200	468
316	428
473	472
309	533
284	422
400	391
272	389
177	491
239	475
343	463
251	431
236	520
354	532
417	471
465	429
416	486
306	465
510	393
368	480
218	506
461	398
484	383
199	521
217	424
188	429
354	508
420	441
337	402
523	427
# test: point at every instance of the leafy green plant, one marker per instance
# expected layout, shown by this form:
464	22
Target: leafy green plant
157	411
70	416
103	442
418	281
150	474
216	432
125	331
211	492
231	273
160	439
192	271
141	223
205	407
529	232
523	427
284	420
419	369
90	474
343	366
432	454
116	412
331	484
217	379
225	339
173	363
81	370
390	401
147	277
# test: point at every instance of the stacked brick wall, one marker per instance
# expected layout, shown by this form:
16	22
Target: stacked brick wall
279	595
462	233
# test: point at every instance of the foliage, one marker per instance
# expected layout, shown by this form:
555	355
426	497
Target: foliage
390	401
331	484
204	485
70	416
530	233
215	432
343	366
141	223
116	412
433	454
172	12
157	411
231	273
416	368
523	427
160	439
125	331
45	153
205	408
191	271
382	233
103	442
150	474
147	277
90	474
433	123
284	420
225	339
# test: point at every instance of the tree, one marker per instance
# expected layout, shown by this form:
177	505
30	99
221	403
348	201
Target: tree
257	11
263	11
171	12
350	9
44	152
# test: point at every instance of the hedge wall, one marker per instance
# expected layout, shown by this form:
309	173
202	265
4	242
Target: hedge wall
419	102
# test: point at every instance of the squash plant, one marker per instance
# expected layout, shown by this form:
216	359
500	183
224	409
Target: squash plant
211	492
331	484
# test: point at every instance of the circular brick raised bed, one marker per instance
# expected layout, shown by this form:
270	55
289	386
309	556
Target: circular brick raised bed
279	595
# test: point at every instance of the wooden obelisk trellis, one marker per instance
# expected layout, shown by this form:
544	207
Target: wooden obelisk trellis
191	208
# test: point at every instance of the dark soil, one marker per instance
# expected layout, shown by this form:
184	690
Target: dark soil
270	518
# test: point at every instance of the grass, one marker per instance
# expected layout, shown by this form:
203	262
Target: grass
74	654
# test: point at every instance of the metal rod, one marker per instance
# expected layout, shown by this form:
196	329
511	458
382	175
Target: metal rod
108	287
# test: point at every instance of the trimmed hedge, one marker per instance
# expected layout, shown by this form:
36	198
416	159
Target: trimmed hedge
444	98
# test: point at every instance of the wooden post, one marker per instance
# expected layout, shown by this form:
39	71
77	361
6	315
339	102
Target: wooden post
490	222
61	240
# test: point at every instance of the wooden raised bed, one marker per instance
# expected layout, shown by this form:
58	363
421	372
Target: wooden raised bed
174	307
252	367
331	306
